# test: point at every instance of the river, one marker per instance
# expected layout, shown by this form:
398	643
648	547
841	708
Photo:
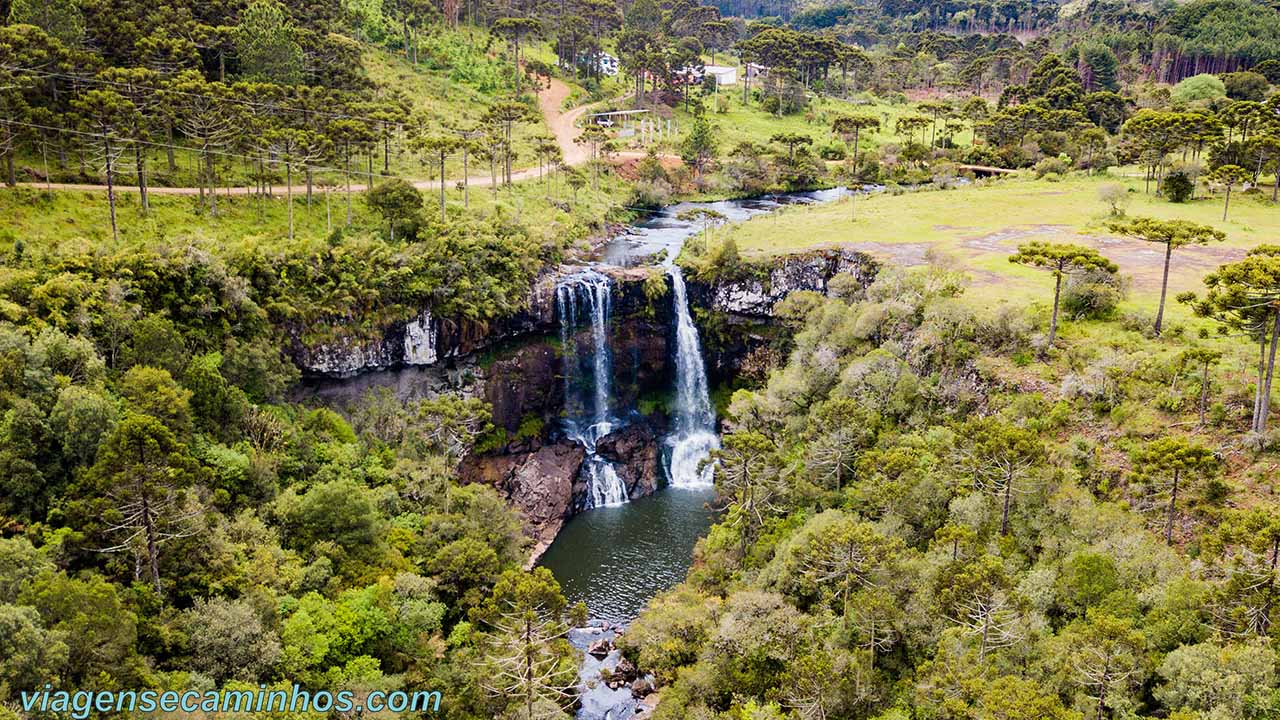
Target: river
615	557
662	230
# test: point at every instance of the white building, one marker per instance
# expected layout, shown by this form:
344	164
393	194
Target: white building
723	74
608	64
693	74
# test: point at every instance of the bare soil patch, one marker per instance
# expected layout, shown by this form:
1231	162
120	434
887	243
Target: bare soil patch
902	254
1008	238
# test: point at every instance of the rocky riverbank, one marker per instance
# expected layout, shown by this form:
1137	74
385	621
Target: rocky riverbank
612	686
546	483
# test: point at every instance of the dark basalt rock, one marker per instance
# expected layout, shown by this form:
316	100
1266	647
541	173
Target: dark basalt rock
633	450
429	340
524	383
539	483
641	358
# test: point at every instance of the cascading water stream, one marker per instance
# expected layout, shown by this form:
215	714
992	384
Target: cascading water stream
616	561
693	437
586	397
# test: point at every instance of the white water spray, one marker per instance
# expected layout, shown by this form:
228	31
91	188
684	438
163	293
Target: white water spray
694	434
588	419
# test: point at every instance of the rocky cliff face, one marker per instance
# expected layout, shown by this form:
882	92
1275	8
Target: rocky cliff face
757	291
540	483
634	452
743	306
544	482
428	339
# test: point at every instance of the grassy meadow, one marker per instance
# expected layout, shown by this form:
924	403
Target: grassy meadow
71	221
979	226
737	122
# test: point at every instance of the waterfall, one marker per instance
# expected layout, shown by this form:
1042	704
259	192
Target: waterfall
694	433
586	394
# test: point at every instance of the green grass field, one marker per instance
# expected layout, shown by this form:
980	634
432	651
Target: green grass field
64	222
980	226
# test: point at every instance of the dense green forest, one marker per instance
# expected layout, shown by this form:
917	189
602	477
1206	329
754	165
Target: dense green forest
169	518
919	525
939	499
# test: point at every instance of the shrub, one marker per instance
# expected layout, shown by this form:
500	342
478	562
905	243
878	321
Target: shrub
1093	296
399	204
1246	86
1014	157
1116	196
1269	69
1051	166
1178	187
944	174
832	151
1199	87
1052	142
868	169
982	155
531	427
1006	327
653	194
1139	322
723	260
1102	381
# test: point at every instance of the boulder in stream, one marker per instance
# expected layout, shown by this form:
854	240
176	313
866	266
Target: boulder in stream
641	687
626	670
633	450
600	649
